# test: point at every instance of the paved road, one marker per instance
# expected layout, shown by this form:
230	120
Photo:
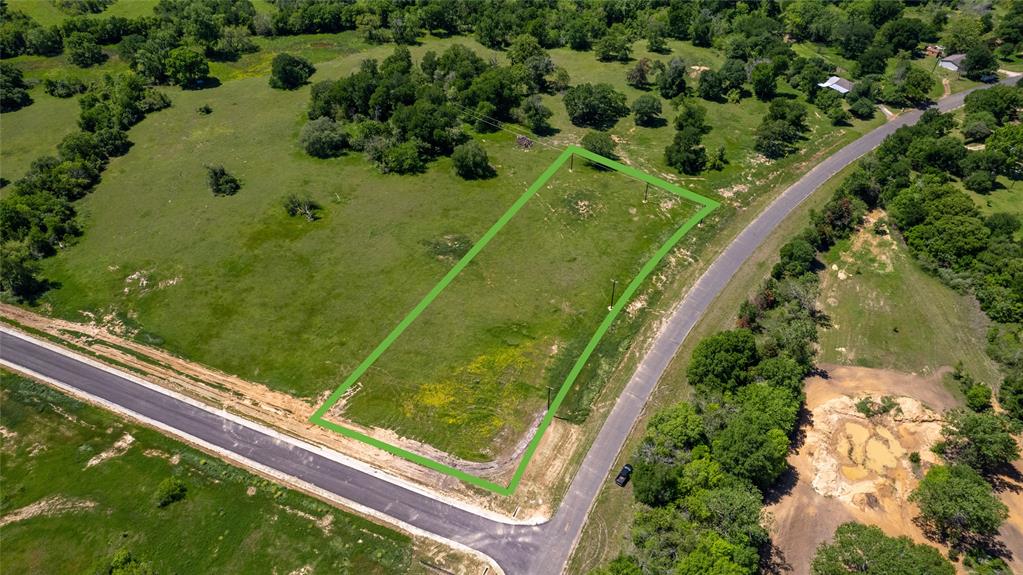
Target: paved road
541	550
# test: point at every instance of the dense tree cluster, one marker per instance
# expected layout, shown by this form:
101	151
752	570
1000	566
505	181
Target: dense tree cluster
782	126
37	217
13	89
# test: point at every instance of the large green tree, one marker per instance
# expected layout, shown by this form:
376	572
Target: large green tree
859	548
983	441
958	506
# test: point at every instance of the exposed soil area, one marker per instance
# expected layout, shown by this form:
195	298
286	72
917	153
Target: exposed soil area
851	467
47	507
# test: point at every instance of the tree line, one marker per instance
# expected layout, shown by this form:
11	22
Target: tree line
703	466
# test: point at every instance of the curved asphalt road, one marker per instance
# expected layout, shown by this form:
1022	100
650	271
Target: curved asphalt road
518	549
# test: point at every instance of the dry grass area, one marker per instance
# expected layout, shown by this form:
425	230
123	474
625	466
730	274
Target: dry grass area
851	467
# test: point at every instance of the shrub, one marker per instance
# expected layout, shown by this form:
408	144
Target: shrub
296	205
471	161
220	182
64	88
323	138
169	491
599	143
289	72
13	89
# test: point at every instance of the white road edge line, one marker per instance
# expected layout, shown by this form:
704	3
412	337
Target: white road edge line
284	438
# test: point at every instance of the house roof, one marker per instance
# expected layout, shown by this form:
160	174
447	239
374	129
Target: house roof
838	84
956	59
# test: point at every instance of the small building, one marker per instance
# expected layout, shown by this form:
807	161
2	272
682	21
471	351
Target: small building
934	51
953	62
840	85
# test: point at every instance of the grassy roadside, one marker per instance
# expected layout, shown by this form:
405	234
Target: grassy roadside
83	484
608	528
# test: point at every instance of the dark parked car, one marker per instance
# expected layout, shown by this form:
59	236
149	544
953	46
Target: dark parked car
624	475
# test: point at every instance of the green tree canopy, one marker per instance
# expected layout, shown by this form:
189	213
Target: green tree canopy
983	441
859	548
957	505
722	361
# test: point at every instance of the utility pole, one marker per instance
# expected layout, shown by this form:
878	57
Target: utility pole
571	162
614	286
548	398
646	191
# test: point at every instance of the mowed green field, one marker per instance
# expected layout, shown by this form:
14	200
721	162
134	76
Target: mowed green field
236	284
87	506
888	313
513	319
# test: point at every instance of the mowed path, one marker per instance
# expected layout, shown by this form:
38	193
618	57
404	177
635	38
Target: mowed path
518	549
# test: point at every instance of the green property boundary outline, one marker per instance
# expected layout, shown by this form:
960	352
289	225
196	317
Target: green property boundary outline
708	206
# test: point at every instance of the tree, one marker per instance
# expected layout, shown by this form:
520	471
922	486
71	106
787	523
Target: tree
1010	395
614	46
169	491
599	143
671	81
979	62
712	86
323	138
715	555
765	83
865	549
471	162
82	50
722	361
13	89
774	138
686	153
186	67
862	108
220	182
43	41
983	441
1008	141
535	114
289	72
750	449
639	75
692	115
21	270
647	110
958	506
595	105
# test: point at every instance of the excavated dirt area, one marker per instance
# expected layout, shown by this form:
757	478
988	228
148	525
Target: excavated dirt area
850	467
290	415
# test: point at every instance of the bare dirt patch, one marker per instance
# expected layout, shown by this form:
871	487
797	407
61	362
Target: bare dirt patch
851	467
48	507
116	450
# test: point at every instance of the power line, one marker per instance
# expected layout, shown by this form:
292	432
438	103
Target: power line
502	126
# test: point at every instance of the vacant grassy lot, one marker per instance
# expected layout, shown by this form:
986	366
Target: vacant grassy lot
888	313
236	284
35	131
94	492
514	321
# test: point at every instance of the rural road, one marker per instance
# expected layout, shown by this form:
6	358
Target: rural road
519	550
